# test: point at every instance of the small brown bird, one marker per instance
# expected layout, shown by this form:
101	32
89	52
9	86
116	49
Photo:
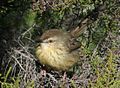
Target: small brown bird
55	50
58	49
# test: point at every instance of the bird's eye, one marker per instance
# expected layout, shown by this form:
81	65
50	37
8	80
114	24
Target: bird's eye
50	41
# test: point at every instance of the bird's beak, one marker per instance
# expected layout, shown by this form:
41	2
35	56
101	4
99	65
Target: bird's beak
38	44
38	40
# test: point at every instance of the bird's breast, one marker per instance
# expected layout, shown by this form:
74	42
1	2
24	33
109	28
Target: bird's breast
55	57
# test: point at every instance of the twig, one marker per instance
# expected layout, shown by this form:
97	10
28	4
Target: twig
17	51
18	63
23	34
51	76
94	51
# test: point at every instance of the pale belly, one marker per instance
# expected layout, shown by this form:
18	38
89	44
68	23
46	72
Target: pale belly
57	60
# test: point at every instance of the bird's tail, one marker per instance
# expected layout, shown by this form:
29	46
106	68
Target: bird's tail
86	21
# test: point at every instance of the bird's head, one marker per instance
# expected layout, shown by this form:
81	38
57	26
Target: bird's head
52	38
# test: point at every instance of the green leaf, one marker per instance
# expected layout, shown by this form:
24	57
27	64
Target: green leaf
29	18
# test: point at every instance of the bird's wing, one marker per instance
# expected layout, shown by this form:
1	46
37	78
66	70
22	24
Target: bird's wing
73	44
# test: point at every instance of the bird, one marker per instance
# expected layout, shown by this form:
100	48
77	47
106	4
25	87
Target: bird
58	49
55	51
